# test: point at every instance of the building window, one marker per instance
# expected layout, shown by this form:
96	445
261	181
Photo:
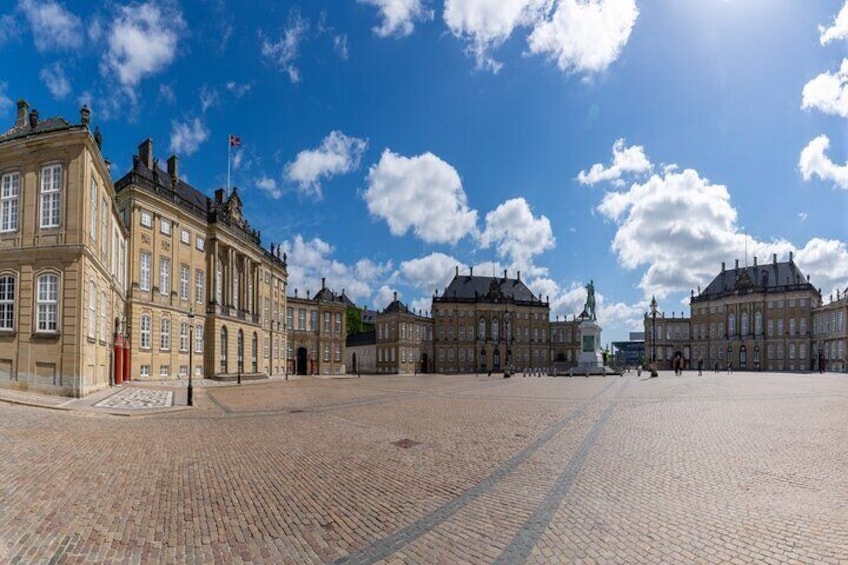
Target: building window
240	351
185	237
11	188
198	339
758	323
326	352
165	226
802	351
92	309
104	229
744	323
164	370
146	219
731	325
301	319
199	275
164	276
48	303
201	243
92	227
266	348
224	345
7	302
165	334
144	371
184	337
495	330
51	190
481	332
144	277
255	354
103	308
338	323
184	275
338	353
145	331
326	322
289	316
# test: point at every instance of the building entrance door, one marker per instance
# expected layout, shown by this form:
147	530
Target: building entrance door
301	360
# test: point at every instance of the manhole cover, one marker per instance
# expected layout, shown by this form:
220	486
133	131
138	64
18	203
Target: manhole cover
406	443
295	411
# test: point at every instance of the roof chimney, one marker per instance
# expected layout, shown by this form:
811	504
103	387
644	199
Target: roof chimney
457	270
504	274
323	282
33	118
23	110
471	271
307	294
518	275
737	264
395	293
295	293
755	260
174	168
722	266
145	153
790	256
774	258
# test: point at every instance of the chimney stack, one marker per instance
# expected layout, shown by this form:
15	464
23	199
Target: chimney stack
755	260
323	282
471	271
774	258
722	266
21	116
737	264
504	274
790	256
85	115
457	271
174	168
145	153
518	275
33	118
394	294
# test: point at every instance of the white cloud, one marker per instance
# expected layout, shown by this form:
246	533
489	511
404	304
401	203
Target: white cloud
839	29
310	260
186	137
814	162
166	93
385	295
55	80
284	51
53	27
6	103
802	216
399	16
826	262
340	46
269	186
9	28
238	90
434	271
208	98
142	41
421	193
517	234
585	36
625	160
828	92
486	24
337	155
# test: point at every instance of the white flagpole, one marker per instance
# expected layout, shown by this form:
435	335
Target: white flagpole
229	148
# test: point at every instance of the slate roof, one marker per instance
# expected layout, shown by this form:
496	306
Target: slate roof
43	126
765	277
327	295
361	338
197	201
474	288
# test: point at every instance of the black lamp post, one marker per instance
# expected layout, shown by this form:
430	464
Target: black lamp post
654	337
190	392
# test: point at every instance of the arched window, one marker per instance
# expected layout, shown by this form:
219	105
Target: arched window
165	333
224	344
240	351
145	331
255	354
495	330
48	303
730	354
481	332
7	302
744	323
731	325
507	327
758	323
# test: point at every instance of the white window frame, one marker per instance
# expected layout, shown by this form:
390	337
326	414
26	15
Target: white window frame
145	260
10	190
165	334
145	331
164	276
185	274
198	339
144	370
184	337
50	196
8	288
93	198
201	243
146	219
164	226
199	281
92	309
185	237
48	303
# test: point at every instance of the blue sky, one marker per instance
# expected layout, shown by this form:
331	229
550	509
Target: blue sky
384	142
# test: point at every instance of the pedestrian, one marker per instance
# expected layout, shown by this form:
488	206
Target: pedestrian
730	367
700	365
716	367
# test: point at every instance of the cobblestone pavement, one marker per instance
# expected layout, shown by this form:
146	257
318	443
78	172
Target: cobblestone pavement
138	399
743	468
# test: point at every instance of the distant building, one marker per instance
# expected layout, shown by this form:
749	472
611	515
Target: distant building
361	353
316	333
830	335
404	340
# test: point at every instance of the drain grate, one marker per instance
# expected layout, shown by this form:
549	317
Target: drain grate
406	443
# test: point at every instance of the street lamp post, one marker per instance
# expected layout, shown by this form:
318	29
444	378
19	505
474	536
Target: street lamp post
190	392
654	337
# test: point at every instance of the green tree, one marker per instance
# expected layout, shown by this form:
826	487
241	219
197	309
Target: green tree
354	320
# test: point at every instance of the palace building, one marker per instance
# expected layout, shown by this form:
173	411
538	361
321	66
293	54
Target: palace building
63	252
404	340
317	330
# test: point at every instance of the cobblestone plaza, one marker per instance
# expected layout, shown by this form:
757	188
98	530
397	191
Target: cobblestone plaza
742	468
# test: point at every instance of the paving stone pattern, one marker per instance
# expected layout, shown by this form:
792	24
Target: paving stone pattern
138	399
743	468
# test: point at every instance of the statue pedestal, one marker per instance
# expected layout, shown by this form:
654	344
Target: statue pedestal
591	360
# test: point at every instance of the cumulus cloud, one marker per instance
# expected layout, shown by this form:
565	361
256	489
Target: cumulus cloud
485	25
9	28
53	27
310	260
340	46
826	261
625	160
142	41
208	98
585	36
238	89
838	30
284	51
186	137
55	80
516	233
421	193
269	187
337	155
399	16
384	296
828	92
431	272
6	103
567	301
814	162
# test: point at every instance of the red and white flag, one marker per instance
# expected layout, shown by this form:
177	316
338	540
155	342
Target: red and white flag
235	141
